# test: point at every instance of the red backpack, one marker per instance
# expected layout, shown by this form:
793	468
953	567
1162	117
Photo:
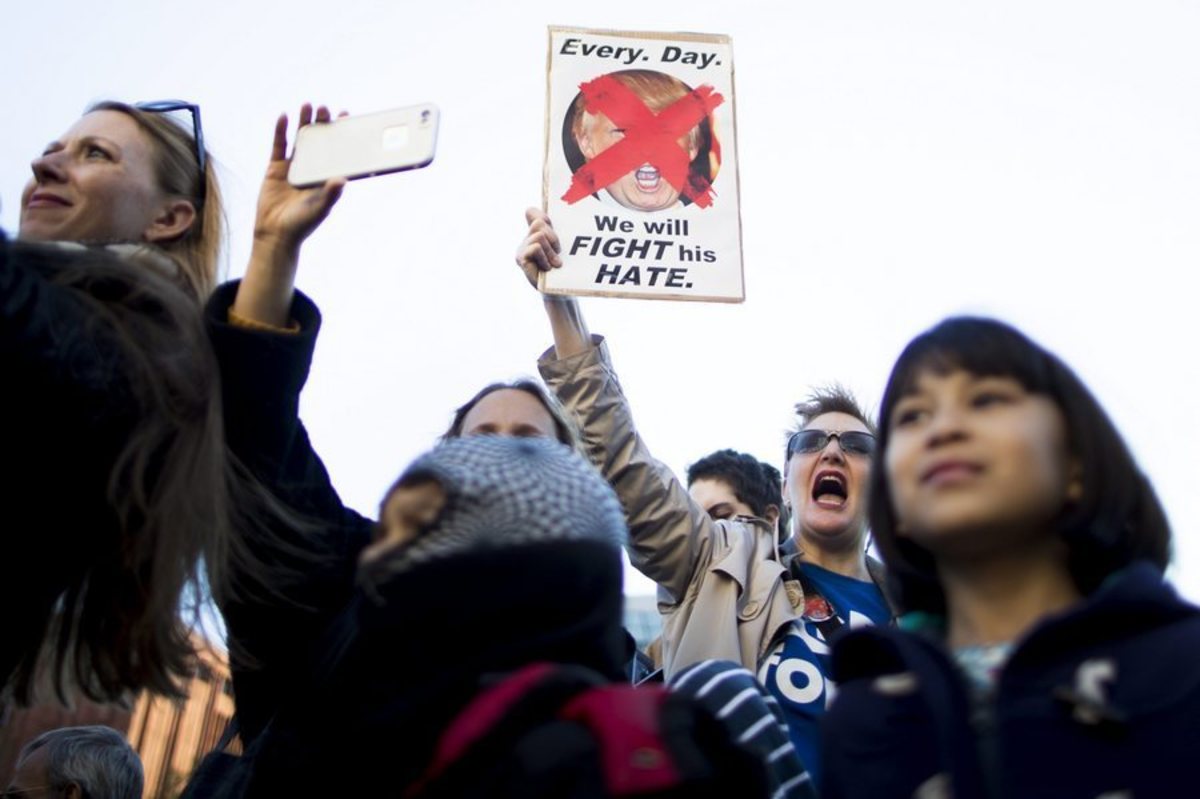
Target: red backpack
551	730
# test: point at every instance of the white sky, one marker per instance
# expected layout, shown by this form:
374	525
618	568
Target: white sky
1037	161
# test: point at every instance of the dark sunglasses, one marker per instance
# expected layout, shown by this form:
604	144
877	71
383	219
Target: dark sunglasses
166	107
851	441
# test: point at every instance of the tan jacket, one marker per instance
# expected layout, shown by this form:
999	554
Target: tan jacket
723	591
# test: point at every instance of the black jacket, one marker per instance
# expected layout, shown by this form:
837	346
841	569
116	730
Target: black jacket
262	375
1102	700
350	691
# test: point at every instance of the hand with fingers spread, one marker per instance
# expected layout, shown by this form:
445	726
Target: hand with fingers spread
285	217
288	215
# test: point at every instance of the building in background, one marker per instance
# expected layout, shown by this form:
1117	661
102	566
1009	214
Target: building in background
169	735
642	619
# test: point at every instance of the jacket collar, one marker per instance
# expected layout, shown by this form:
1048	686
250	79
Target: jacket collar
1133	600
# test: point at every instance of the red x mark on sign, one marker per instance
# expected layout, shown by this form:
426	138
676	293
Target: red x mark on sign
649	139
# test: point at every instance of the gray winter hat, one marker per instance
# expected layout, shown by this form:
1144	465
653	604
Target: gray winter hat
505	492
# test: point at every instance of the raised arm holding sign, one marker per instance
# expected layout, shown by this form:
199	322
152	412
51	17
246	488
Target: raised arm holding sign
727	592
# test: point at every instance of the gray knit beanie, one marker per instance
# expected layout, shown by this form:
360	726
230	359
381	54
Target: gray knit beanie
506	492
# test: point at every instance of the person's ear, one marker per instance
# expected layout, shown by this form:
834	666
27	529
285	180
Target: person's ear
174	220
583	135
73	791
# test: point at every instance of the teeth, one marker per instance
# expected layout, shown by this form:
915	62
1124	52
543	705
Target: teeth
831	485
647	178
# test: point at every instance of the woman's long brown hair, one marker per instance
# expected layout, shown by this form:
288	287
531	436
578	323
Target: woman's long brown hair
119	627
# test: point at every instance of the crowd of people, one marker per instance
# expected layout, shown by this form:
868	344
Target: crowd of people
1014	638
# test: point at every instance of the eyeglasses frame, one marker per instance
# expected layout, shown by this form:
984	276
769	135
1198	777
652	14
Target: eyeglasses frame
830	435
166	107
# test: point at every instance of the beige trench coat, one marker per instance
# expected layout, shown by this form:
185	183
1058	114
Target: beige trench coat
724	591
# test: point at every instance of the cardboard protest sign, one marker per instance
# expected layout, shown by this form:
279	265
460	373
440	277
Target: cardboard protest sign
641	177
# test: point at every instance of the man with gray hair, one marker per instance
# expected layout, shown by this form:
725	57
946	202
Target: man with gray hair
77	762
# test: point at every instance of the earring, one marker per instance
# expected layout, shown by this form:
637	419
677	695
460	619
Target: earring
1074	490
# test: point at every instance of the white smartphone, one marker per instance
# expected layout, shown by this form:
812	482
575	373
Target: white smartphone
366	145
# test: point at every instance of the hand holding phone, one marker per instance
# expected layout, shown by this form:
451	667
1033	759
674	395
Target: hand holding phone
361	146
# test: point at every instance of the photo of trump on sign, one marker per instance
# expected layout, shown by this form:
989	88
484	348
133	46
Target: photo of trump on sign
649	117
641	166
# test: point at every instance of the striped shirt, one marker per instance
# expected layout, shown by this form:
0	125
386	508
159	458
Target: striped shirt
753	717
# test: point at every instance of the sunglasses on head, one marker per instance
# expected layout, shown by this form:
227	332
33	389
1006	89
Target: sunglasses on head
851	441
166	107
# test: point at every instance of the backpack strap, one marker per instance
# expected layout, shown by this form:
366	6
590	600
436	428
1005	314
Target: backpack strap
626	723
502	711
484	712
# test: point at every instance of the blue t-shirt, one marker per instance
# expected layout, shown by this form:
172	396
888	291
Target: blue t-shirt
795	672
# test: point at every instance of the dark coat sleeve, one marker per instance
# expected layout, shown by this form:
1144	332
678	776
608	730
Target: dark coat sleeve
262	375
311	569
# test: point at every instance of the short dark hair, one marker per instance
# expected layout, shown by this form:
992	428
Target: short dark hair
97	759
834	398
753	482
1118	518
565	428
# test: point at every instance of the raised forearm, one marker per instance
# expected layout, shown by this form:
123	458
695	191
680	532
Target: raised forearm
265	293
567	324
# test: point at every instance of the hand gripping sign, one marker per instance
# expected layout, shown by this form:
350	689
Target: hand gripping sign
641	171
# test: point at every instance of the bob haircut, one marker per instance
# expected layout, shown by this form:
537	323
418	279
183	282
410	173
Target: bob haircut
564	428
1118	518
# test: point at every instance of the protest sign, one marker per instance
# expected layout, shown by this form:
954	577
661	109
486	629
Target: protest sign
641	178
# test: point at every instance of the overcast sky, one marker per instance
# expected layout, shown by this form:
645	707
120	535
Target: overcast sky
1036	161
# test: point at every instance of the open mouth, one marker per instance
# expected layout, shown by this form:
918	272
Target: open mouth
830	490
648	178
